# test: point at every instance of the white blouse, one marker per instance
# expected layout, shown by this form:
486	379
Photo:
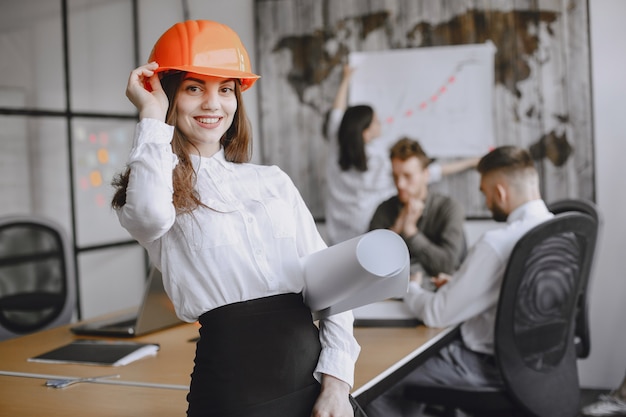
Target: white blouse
246	244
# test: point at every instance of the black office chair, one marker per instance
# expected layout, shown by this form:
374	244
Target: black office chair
582	332
534	330
37	289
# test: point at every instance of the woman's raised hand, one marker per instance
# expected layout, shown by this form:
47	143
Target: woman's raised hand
347	71
150	104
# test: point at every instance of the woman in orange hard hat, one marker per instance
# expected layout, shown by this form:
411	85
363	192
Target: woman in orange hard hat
228	235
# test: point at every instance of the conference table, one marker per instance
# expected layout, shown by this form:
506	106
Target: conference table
157	385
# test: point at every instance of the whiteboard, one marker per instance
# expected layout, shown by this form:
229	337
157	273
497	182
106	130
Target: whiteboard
442	96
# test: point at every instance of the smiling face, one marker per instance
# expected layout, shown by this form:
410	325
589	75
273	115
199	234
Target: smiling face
205	108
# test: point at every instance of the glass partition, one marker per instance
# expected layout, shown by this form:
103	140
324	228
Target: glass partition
34	168
101	55
101	148
31	45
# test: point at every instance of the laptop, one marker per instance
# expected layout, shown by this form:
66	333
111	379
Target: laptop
155	312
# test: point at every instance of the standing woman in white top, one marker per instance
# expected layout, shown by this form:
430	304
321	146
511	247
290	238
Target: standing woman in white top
228	236
358	175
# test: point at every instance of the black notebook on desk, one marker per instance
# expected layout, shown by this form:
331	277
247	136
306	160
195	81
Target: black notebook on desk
98	352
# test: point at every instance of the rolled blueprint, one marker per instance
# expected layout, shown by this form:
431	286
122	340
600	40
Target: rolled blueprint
368	268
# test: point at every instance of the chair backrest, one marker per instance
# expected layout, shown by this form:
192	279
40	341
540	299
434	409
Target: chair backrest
37	288
534	334
582	331
577	205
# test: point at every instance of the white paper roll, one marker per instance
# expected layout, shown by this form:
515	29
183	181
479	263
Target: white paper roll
368	268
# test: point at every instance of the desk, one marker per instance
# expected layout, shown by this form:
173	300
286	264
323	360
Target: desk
157	386
28	397
390	353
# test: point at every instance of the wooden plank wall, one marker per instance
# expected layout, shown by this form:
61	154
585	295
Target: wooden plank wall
542	98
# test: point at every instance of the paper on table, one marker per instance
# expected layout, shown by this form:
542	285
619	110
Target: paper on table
386	309
359	271
386	313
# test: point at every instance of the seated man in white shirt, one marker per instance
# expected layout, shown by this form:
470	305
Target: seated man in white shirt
510	184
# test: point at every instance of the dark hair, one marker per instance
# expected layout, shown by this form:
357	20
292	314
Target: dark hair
351	145
508	159
237	144
407	148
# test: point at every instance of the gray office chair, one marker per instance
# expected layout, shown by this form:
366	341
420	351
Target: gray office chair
37	288
534	331
582	332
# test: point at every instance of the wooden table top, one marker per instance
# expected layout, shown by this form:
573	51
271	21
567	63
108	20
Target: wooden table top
157	386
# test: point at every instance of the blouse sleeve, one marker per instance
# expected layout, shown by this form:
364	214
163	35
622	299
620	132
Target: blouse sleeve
340	349
149	210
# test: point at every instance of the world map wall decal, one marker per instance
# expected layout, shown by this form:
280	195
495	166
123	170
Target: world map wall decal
541	92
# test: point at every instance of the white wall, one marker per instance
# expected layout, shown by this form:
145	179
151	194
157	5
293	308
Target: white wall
607	363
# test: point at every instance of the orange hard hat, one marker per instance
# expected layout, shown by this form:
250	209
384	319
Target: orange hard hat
204	47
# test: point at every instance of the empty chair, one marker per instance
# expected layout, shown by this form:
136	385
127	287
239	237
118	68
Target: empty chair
37	289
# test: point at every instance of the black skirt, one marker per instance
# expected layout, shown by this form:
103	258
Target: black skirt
256	359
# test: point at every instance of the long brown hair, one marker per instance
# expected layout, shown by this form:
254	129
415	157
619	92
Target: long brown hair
237	144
